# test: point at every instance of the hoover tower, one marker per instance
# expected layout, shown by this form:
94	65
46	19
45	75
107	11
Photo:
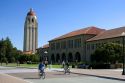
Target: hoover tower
30	33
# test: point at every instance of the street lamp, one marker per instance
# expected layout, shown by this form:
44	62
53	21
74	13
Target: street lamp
45	56
123	72
45	52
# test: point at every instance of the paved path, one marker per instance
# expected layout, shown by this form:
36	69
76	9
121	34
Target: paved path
115	74
80	75
60	77
81	79
4	78
49	75
84	76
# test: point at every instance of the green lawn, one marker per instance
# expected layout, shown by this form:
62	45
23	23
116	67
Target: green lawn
21	65
29	65
56	66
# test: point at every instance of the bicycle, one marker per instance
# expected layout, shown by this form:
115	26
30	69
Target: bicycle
67	70
42	74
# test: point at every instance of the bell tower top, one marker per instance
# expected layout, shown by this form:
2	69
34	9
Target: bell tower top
31	9
31	12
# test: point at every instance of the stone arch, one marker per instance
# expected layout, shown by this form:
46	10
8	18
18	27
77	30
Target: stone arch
52	58
77	57
63	57
70	57
57	58
32	20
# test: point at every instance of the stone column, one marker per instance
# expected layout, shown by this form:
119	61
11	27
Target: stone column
27	38
24	41
33	45
30	42
36	39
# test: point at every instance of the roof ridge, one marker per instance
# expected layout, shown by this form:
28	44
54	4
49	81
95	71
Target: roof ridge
88	29
116	32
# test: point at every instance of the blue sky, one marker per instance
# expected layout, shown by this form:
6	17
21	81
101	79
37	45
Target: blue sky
57	17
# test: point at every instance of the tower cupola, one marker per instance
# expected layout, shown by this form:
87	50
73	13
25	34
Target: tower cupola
31	12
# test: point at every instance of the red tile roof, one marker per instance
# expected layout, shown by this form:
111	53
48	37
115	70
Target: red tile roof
109	34
46	46
28	52
88	30
31	13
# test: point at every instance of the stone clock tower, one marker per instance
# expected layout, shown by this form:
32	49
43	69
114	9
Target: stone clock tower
30	33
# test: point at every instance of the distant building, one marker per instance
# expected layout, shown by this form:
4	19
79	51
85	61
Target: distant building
78	45
43	52
27	52
30	33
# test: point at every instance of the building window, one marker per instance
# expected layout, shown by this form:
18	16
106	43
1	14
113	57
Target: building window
58	45
63	44
52	46
70	43
88	47
92	46
32	20
77	43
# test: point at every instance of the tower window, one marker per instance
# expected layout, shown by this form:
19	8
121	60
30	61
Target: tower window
32	20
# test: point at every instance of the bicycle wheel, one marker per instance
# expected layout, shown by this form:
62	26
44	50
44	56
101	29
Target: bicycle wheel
65	71
68	71
43	75
40	75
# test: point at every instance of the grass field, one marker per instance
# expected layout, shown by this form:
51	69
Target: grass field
28	65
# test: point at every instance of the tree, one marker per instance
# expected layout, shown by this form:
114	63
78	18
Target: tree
2	51
16	53
9	49
34	58
108	53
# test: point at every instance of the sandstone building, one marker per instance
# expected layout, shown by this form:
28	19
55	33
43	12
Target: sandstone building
77	46
30	33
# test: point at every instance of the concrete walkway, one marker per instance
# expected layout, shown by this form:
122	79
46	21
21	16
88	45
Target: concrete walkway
114	74
4	78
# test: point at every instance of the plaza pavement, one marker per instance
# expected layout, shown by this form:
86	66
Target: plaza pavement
4	78
114	74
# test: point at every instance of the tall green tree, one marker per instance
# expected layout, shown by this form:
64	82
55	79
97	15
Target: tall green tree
2	51
8	53
9	50
107	53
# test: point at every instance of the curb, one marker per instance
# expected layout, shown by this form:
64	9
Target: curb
112	78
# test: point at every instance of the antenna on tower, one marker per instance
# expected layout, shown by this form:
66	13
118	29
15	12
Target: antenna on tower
31	9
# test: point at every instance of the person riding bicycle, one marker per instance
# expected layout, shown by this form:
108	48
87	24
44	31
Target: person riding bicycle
41	67
66	67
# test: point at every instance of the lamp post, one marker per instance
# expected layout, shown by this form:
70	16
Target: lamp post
45	58
123	34
45	52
